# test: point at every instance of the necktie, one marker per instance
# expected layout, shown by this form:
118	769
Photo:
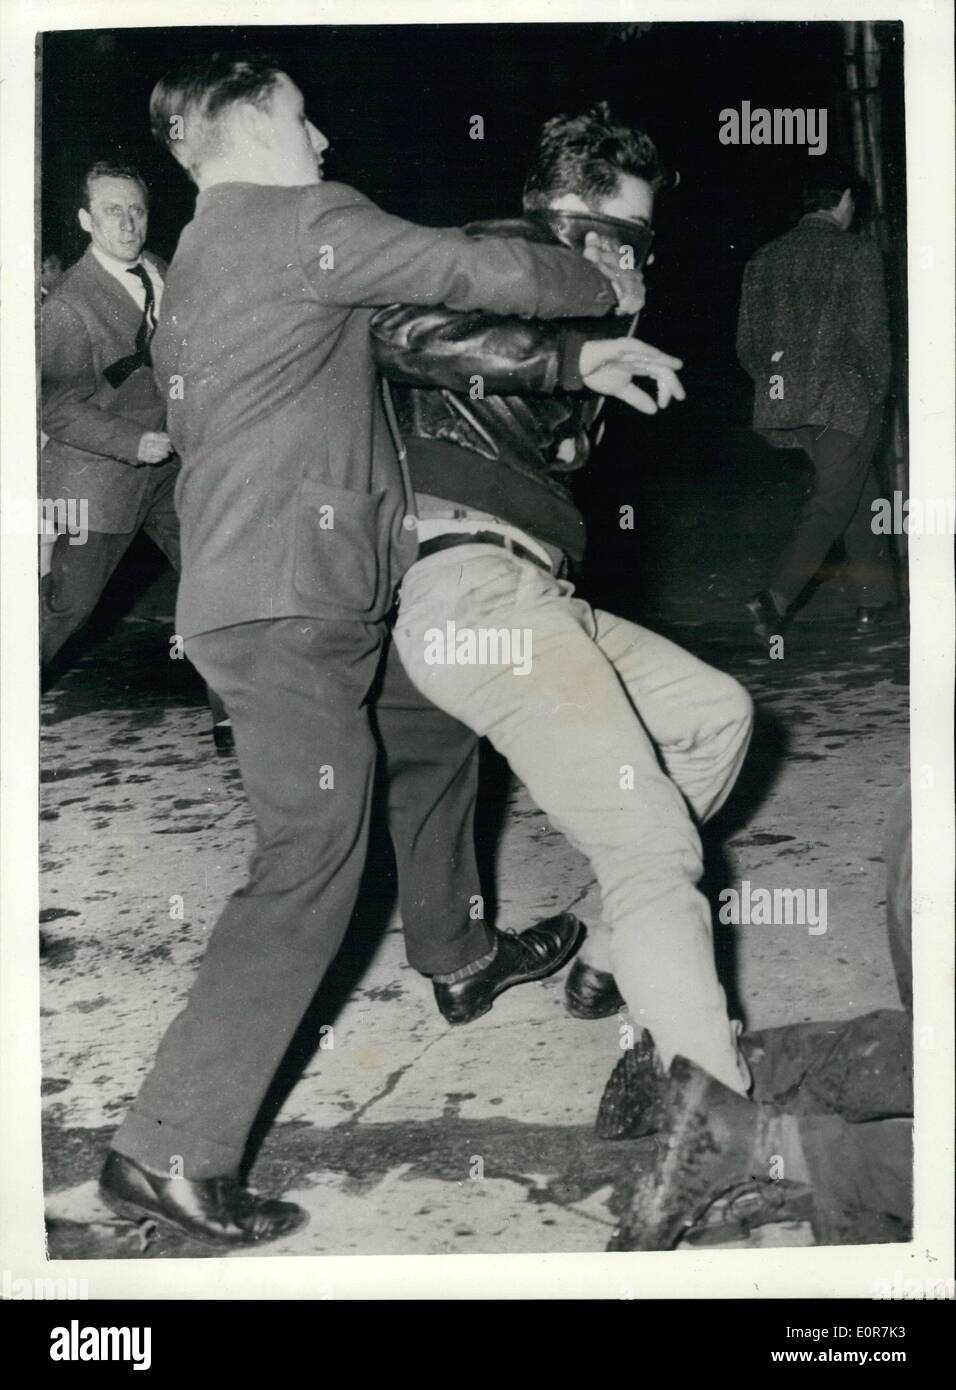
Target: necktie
124	367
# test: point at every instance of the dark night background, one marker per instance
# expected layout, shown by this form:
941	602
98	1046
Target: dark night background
396	102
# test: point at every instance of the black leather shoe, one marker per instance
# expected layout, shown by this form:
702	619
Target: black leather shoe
632	1105
537	952
213	1209
590	993
223	739
766	617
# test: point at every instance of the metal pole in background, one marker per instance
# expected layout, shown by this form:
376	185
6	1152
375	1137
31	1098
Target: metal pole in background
864	80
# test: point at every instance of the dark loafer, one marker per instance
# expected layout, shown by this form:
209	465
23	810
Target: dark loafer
222	737
590	993
765	616
632	1105
537	952
213	1209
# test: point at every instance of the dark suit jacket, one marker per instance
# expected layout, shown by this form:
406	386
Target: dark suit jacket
291	500
816	296
87	323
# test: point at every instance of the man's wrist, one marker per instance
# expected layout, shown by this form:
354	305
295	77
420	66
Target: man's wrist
569	367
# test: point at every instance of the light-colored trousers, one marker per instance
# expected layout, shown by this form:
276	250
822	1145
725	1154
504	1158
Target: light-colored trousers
610	730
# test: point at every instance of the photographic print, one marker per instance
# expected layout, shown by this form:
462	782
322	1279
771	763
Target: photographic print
475	545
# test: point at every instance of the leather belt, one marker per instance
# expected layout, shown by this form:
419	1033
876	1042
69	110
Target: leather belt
437	543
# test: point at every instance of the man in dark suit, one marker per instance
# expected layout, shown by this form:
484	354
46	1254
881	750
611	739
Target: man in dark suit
813	333
297	525
102	410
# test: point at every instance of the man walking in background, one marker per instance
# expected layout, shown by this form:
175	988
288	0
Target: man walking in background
103	416
813	334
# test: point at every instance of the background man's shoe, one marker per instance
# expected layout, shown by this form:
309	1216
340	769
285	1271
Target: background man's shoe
590	993
222	737
537	952
867	619
219	1210
632	1105
713	1140
767	619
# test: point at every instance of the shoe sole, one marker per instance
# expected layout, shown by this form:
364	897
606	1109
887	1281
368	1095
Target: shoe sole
760	628
664	1232
132	1211
525	980
608	1011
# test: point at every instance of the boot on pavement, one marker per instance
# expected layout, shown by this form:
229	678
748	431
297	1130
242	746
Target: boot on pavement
712	1140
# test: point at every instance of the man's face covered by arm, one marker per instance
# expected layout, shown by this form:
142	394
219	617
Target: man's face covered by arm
616	226
445	349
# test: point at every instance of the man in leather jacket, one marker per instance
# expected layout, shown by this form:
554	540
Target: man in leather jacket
612	729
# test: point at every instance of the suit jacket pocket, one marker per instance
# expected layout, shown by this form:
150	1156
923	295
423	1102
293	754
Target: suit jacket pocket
338	535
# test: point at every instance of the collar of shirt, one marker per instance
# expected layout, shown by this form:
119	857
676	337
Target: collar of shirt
820	219
132	284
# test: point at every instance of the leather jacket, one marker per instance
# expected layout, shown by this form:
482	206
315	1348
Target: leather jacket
507	390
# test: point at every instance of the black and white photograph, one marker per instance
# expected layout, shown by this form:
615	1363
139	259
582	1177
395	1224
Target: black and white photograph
486	629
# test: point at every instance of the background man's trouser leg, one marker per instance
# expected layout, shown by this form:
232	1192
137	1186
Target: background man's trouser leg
80	573
78	576
570	732
842	469
296	690
432	769
868	569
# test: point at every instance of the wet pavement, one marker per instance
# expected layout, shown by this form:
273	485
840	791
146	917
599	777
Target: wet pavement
398	1133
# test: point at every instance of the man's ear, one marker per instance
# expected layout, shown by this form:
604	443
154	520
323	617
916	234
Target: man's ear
180	152
86	221
248	127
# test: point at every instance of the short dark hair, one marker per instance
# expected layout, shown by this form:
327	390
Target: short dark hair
823	187
587	155
200	88
110	169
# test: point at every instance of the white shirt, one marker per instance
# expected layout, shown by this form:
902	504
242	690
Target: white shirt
132	284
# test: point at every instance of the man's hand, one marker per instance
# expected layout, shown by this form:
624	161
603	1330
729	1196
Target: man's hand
154	446
628	285
607	366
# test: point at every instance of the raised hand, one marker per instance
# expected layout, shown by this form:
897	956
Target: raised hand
608	366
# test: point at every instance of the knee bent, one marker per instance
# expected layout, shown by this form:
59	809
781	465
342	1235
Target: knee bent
736	705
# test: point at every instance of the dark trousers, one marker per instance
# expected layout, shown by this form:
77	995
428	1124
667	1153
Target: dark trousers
845	485
850	1085
80	573
296	692
431	767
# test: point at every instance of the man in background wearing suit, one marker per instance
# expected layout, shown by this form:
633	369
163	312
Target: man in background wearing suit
297	524
102	409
